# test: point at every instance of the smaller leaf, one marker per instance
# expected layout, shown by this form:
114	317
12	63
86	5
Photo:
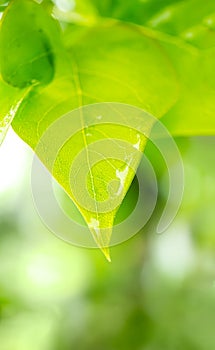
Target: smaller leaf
24	61
26	52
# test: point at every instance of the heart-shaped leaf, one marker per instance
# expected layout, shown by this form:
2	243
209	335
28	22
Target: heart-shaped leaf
106	63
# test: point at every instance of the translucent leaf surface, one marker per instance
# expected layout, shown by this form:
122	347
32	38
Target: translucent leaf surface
110	62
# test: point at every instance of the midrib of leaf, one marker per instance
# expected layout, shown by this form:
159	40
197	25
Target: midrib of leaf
99	240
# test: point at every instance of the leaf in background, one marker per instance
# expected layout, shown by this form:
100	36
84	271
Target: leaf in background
186	31
29	40
112	62
26	56
131	11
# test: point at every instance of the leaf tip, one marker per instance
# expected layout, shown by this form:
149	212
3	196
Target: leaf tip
106	253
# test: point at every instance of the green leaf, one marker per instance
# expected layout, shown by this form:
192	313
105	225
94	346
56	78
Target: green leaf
111	62
26	52
186	32
29	45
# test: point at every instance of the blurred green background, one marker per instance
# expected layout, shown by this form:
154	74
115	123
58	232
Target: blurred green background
158	292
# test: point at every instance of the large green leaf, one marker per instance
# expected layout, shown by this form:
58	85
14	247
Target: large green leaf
111	62
136	64
103	66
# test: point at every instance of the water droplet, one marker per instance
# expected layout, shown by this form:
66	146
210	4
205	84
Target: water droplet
189	35
209	22
94	224
121	175
137	144
162	17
